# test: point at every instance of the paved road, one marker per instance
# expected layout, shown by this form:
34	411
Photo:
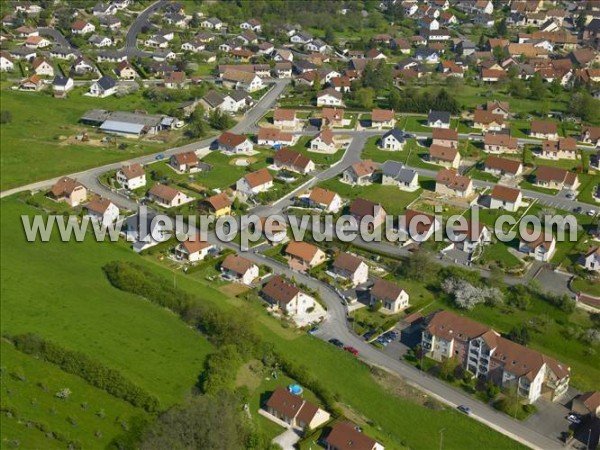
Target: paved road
56	36
136	27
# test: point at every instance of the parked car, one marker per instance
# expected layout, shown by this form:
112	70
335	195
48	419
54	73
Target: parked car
570	195
336	342
577	210
572	417
159	156
464	409
368	335
313	330
592	212
351	349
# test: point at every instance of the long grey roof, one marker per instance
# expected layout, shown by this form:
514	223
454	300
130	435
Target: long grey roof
397	171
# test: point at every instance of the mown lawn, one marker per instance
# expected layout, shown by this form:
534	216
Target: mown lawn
224	172
89	416
73	304
32	145
59	291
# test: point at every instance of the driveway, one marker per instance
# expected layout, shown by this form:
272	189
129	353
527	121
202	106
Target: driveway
287	440
550	418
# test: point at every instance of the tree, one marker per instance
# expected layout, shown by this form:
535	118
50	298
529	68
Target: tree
219	120
418	267
500	53
580	22
537	89
583	105
330	36
501	28
365	97
519	334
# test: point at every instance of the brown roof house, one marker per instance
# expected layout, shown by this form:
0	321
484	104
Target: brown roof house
499	108
346	436
234	143
392	297
275	138
69	191
371	213
590	135
470	237
444	156
131	176
167	196
360	173
564	148
304	256
285	118
450	183
544	130
501	166
556	178
102	210
286	159
587	404
255	182
500	143
325	199
504	197
489	356
295	411
324	142
488	121
184	162
238	268
417	226
218	205
382	118
351	268
332	118
286	297
591	259
193	249
444	137
539	248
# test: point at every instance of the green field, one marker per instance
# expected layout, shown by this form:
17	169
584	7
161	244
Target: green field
33	145
70	302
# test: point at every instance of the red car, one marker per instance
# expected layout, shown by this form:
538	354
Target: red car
351	350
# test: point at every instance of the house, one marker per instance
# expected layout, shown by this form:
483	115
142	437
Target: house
6	62
33	83
329	97
103	87
427	55
360	173
556	178
240	79
382	118
214	100
193	249
111	22
234	143
102	210
451	69
62	85
69	191
211	23
438	119
255	182
444	137
316	45
184	162
240	269
275	138
489	356
42	67
507	198
218	205
285	118
470	237
540	248
498	108
286	159
332	117
395	174
351	268
325	199
100	41
501	166
392	297
346	436
81	27
273	229
324	142
591	260
286	297
25	31
564	148
417	226
251	24
444	156
295	411
544	130
393	140
301	37
450	183
37	42
500	143
23	53
82	66
195	46
131	176
304	256
371	213
488	121
174	80
590	135
167	196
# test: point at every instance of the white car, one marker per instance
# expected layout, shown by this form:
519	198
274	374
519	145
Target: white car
574	418
592	212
